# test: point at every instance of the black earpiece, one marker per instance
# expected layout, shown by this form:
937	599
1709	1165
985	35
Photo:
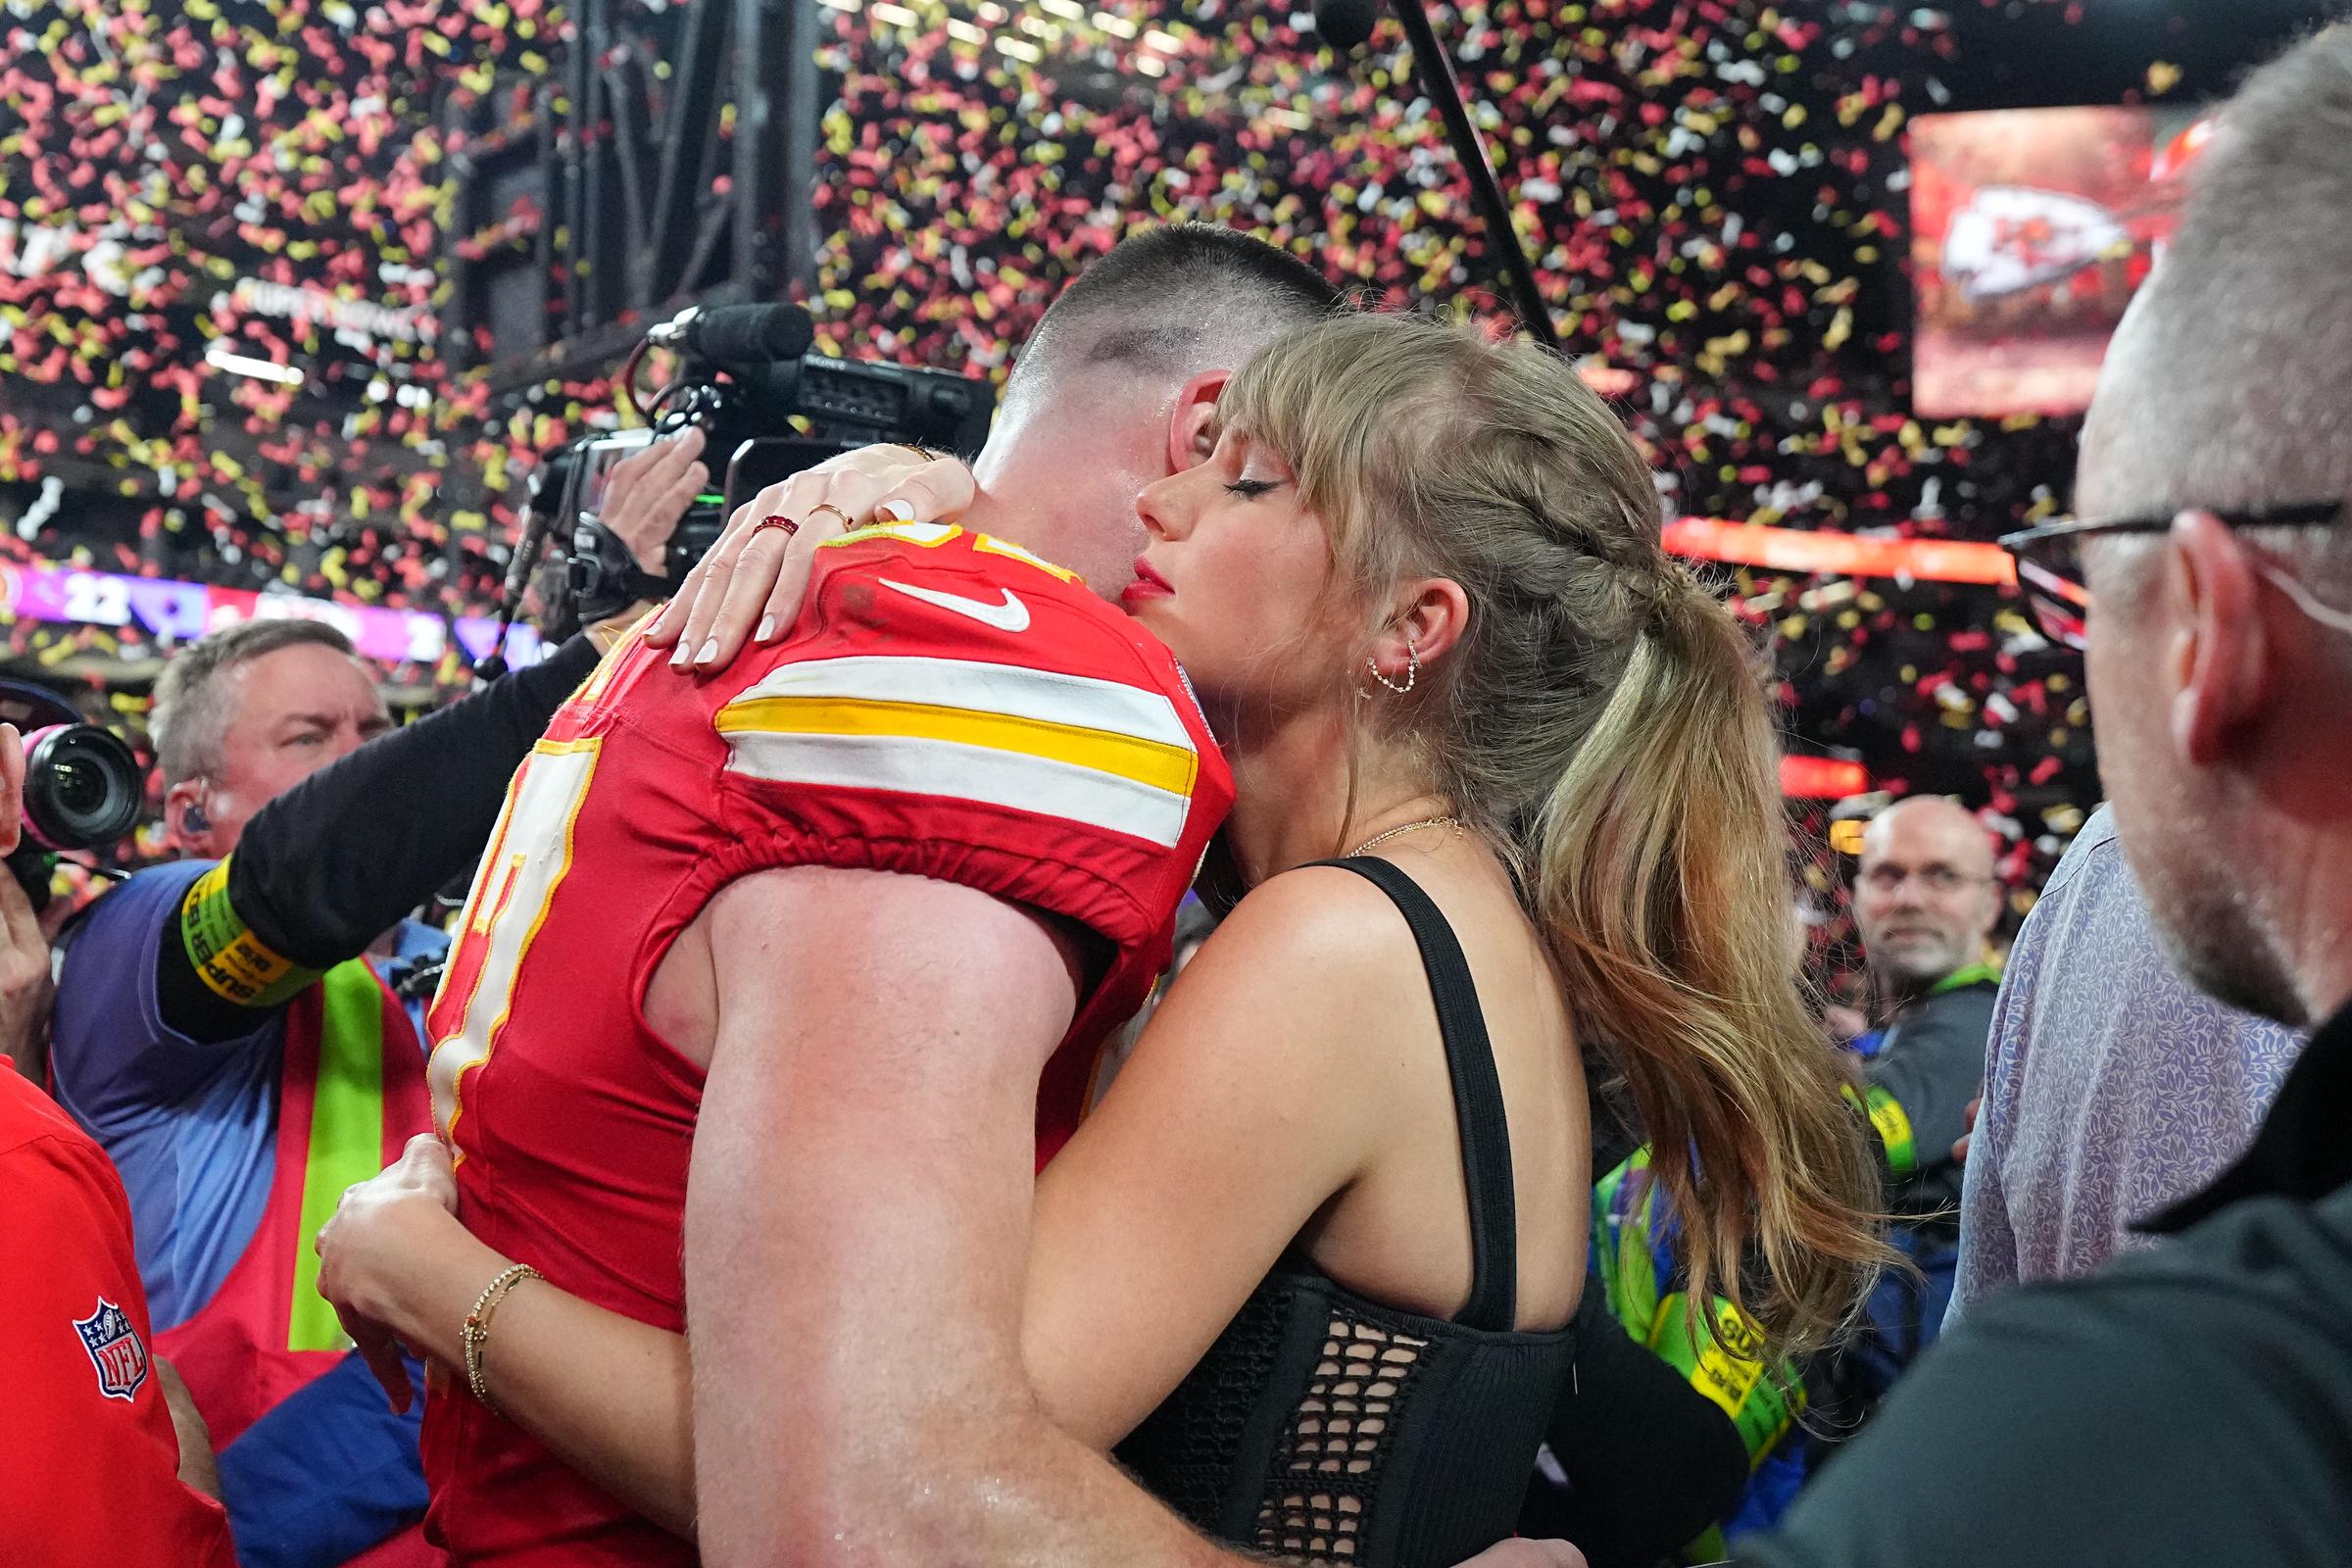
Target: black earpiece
193	820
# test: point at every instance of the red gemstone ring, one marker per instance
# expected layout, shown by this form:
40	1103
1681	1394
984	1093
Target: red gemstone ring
774	519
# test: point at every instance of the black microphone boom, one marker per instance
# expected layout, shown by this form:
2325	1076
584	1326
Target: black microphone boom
1344	23
752	334
550	483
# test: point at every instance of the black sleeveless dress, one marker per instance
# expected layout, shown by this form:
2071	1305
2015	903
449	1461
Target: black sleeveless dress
1325	1427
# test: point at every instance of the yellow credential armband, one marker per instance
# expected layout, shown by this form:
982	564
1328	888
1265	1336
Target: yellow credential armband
234	965
1726	1366
1891	1123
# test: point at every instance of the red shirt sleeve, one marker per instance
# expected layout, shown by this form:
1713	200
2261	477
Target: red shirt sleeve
93	1462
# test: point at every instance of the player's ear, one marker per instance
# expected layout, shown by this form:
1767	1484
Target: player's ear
1193	422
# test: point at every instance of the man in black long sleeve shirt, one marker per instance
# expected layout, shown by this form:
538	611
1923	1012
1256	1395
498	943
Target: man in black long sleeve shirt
2191	1404
223	1027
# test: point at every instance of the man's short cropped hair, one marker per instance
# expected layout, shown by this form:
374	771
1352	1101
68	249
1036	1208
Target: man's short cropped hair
2234	390
192	712
1174	300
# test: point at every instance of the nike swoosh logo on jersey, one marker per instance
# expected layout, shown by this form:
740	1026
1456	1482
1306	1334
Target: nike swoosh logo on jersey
1011	616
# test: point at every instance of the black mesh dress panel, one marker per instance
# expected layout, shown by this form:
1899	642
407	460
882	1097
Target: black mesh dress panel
1324	1427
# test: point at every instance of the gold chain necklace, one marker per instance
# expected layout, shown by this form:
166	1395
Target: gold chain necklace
1378	839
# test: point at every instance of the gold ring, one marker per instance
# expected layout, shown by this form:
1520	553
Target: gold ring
827	506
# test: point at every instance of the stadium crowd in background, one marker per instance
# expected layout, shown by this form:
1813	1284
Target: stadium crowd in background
1714	192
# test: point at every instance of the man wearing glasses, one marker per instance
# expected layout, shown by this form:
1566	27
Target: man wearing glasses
1927	901
2192	1403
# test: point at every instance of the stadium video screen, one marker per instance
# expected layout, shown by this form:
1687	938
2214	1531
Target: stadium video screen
2029	230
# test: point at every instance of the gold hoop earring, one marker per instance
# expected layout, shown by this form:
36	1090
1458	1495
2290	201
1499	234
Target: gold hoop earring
1412	668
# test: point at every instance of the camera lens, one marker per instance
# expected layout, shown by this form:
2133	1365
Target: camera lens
82	787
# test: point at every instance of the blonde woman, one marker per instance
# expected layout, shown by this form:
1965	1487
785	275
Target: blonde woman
1506	789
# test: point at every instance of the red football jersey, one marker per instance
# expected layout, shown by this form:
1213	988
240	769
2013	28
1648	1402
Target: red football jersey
947	706
93	1468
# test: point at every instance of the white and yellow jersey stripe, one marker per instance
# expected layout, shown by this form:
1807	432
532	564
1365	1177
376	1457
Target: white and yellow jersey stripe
1100	753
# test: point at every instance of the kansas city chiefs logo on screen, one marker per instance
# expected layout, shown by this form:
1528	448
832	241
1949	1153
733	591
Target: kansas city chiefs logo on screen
2010	238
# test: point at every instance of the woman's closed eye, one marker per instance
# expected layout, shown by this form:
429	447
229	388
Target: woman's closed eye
1251	489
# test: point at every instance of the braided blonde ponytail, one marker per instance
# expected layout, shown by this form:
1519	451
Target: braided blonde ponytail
1603	720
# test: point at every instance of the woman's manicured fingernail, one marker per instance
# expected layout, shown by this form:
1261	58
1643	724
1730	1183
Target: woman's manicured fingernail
767	627
678	660
710	651
895	510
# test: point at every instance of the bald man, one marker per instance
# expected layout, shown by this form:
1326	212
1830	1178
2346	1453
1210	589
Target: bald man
1925	899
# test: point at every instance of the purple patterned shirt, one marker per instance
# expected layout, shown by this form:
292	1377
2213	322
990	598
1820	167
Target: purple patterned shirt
2112	1087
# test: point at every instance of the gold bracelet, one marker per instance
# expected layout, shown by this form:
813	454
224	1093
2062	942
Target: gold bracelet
924	453
476	1333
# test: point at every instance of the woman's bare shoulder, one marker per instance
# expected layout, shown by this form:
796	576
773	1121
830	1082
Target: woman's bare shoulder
1312	942
1322	912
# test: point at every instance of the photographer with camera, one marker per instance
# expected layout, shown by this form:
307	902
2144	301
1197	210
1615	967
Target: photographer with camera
241	1029
118	1467
78	787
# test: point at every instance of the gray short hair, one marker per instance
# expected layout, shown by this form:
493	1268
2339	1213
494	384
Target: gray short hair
2231	385
192	713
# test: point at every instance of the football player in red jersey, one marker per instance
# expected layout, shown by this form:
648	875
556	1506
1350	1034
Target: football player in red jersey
1091	752
1264	588
962	756
1389	504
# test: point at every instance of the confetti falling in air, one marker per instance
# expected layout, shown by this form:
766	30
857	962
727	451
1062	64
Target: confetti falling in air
1714	192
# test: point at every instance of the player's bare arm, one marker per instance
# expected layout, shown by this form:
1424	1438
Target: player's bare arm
856	1234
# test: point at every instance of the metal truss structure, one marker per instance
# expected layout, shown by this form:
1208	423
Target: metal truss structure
661	168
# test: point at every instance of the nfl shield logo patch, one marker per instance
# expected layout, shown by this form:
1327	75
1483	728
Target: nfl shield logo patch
114	1349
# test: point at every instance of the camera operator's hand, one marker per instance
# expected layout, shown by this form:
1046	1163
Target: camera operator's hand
756	577
648	492
11	789
26	991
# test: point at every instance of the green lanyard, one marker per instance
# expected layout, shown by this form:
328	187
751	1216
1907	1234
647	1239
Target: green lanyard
1975	974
